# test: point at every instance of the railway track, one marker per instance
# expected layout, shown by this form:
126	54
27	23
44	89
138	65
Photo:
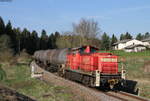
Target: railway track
126	96
123	96
97	94
9	94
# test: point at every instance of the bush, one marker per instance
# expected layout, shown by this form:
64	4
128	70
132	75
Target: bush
2	73
6	52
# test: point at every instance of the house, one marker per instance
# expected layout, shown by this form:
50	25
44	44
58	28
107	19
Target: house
135	48
146	42
120	45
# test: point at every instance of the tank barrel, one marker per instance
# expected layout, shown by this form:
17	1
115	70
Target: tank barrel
53	56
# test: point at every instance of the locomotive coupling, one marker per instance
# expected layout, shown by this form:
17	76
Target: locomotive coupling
113	81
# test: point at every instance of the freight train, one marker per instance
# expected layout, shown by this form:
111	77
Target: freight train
83	64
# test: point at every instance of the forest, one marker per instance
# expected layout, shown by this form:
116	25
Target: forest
86	32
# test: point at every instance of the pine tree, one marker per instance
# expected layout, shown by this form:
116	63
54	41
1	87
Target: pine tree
147	35
105	42
34	41
113	39
139	37
128	36
18	32
57	34
9	31
50	41
25	40
2	26
122	37
44	40
125	36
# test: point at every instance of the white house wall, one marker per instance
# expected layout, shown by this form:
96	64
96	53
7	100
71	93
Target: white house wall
132	42
121	46
146	44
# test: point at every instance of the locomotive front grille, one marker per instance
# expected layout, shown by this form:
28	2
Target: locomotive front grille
111	76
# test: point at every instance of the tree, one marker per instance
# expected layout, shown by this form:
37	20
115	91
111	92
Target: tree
34	41
2	26
128	35
64	41
122	37
105	42
9	31
2	73
5	48
5	43
86	29
43	40
8	28
17	31
113	39
139	37
147	35
57	34
52	40
125	36
26	40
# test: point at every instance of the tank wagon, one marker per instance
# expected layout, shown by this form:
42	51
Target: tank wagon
83	64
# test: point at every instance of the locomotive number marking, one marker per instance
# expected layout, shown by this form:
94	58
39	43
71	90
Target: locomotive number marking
108	60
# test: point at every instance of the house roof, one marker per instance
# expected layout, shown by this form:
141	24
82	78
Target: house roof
122	41
132	46
145	40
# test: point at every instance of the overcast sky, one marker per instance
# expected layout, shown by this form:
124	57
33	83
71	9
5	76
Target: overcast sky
113	16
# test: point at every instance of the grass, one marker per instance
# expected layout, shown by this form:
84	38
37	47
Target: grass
18	77
134	62
126	54
2	73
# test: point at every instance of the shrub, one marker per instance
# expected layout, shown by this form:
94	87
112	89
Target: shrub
2	73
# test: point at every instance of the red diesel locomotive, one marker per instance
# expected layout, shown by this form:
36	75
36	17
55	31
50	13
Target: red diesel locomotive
93	68
84	64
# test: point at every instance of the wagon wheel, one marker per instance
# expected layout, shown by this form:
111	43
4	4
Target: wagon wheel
91	82
61	72
86	81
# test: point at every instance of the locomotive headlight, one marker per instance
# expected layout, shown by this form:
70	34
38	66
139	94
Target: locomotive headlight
109	60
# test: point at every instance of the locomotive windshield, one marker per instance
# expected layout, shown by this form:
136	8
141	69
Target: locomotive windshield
87	49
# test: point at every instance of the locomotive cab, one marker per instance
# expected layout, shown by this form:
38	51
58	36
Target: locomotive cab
103	67
108	67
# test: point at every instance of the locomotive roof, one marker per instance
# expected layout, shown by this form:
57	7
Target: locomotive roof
77	48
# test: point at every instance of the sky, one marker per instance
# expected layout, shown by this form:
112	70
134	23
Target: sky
113	16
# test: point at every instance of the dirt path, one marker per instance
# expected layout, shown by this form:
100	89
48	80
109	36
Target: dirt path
147	67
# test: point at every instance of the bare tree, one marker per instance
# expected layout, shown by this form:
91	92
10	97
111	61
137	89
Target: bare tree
87	29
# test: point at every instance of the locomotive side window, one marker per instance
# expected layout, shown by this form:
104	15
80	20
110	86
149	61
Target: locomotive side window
93	50
81	50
